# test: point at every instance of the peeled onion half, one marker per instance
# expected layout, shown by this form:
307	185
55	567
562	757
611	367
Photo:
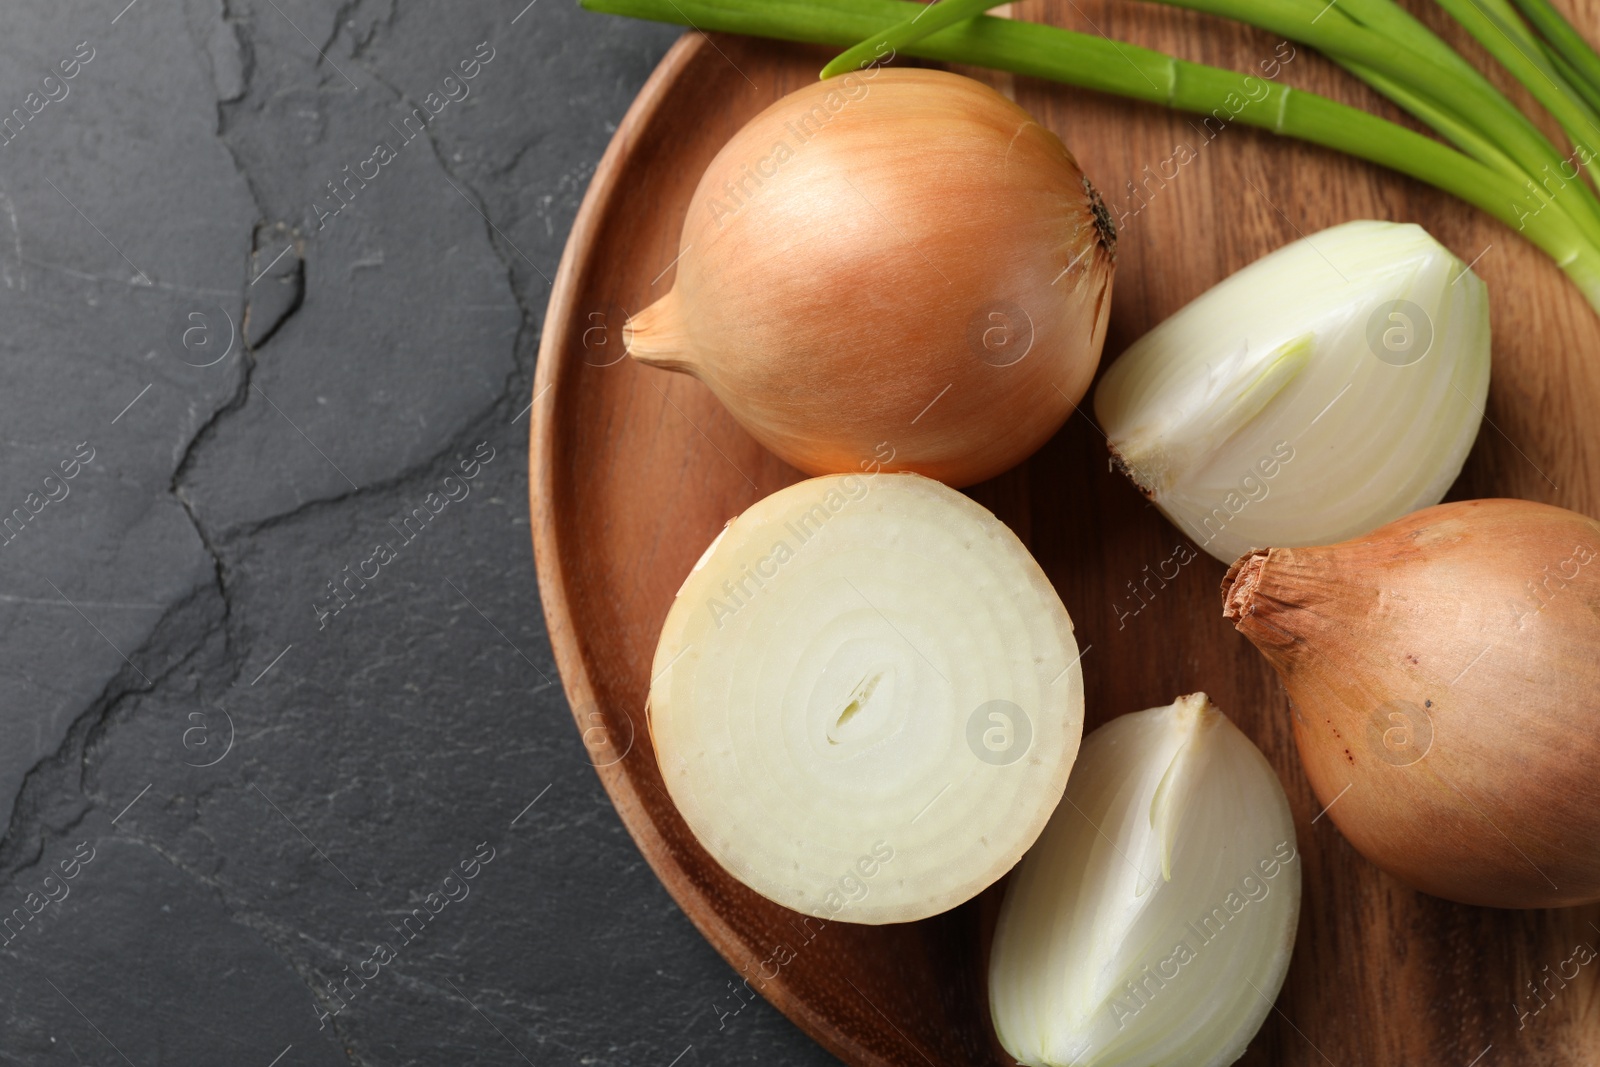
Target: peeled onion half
866	699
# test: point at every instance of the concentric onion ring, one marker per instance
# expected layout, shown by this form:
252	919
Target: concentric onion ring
866	698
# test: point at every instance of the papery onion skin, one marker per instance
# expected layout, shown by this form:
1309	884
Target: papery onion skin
894	255
1444	673
819	710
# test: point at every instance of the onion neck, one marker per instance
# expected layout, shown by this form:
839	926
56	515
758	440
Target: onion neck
657	338
1279	598
1318	616
1239	585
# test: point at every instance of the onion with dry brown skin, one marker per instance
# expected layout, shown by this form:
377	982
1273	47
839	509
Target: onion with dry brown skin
1445	676
894	255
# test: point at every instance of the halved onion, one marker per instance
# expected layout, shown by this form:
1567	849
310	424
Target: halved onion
866	699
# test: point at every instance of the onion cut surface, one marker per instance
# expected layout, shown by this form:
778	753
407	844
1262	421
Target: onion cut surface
866	699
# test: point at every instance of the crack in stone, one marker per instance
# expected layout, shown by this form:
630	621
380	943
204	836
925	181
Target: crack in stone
490	230
236	402
519	379
345	9
275	272
415	474
89	725
36	822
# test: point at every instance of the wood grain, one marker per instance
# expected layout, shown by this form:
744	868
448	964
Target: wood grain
634	470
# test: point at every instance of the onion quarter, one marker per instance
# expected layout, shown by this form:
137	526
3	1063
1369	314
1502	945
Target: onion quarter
1154	920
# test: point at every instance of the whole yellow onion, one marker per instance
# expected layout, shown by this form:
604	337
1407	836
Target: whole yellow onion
1445	676
898	257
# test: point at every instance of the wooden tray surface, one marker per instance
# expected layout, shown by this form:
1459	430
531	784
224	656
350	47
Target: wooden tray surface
634	470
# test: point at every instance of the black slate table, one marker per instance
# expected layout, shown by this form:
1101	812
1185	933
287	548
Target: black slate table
287	776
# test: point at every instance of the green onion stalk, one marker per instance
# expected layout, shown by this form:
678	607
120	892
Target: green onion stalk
1380	43
1577	60
1574	76
1383	45
1496	25
1400	61
1561	222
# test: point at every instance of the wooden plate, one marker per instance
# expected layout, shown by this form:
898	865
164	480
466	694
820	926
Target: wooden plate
635	470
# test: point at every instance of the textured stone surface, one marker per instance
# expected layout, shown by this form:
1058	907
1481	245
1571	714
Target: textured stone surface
228	786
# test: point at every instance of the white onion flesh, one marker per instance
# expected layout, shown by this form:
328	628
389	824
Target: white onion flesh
822	703
1153	921
1317	394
